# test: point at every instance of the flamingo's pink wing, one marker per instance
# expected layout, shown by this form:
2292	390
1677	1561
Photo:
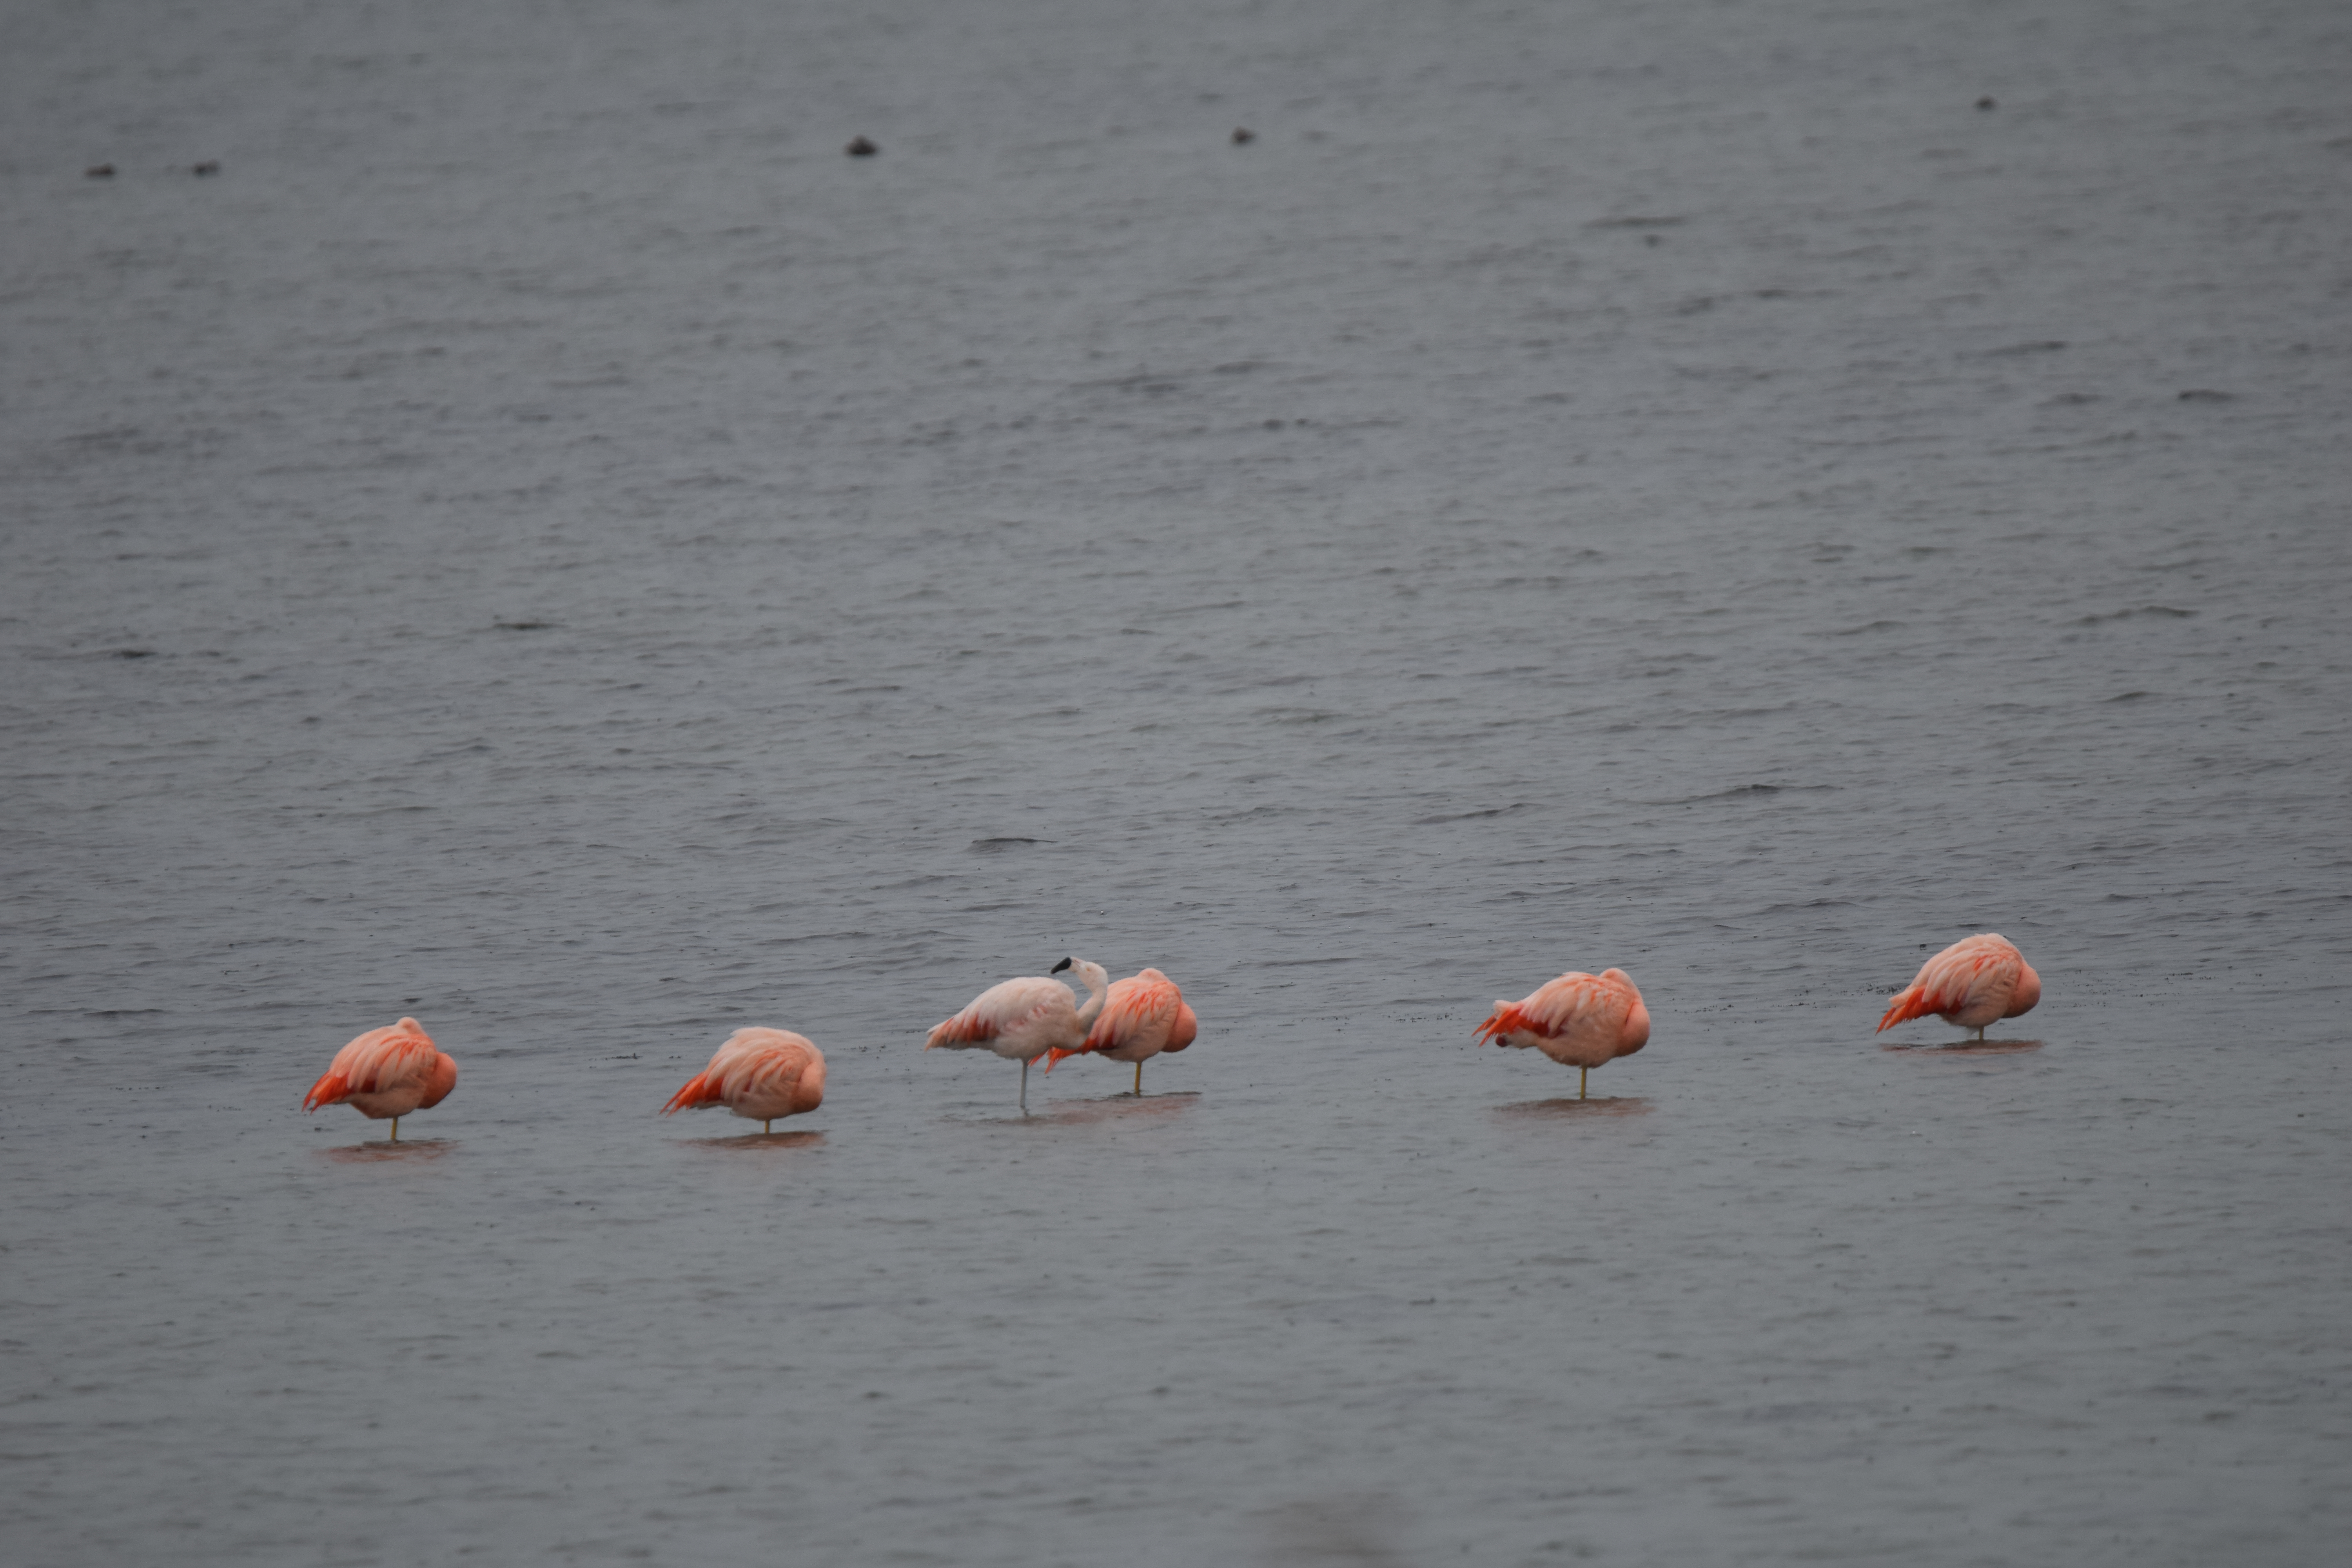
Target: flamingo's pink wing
378	1061
1135	1009
751	1061
771	1066
1946	981
1553	1008
1000	1007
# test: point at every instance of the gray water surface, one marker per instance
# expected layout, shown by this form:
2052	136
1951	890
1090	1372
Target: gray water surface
543	543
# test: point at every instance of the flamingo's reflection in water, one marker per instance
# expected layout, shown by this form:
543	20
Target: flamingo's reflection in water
1966	1048
408	1150
1121	1107
754	1143
1577	1110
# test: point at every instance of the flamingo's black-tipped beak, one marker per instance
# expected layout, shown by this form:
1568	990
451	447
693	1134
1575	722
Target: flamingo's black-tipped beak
1060	966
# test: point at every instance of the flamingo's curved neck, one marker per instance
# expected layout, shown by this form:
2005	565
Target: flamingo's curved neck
1098	987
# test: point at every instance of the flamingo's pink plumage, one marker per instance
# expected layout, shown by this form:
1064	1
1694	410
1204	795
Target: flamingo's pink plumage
1579	1020
757	1074
385	1074
1023	1019
1142	1016
1975	981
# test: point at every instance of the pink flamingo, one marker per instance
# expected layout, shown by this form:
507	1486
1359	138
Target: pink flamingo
1024	1019
1972	982
760	1075
1579	1020
386	1072
1143	1016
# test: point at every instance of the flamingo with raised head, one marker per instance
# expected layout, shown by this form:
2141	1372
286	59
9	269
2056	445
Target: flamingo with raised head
760	1075
1579	1020
1977	981
1143	1016
1022	1019
387	1073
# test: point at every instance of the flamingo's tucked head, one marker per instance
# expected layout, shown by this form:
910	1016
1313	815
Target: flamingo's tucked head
443	1079
1636	1032
2028	993
808	1090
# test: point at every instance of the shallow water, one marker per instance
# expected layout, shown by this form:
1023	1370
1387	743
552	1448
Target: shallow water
543	543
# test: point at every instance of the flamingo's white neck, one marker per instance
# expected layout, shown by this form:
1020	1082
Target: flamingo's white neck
1098	981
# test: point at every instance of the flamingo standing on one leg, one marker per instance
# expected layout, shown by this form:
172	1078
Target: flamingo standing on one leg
1025	1019
387	1072
1975	981
760	1075
1143	1016
1579	1020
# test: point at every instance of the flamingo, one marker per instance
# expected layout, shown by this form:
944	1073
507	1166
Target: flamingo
386	1072
760	1075
1972	982
1025	1019
1579	1020
1143	1016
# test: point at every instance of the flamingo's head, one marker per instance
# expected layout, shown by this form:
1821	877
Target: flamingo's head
1635	1033
808	1089
2028	991
443	1079
1094	976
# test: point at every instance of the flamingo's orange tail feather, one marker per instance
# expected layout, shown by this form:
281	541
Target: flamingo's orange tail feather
698	1091
1910	1003
961	1029
1501	1022
330	1087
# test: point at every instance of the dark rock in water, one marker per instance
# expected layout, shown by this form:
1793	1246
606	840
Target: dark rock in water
859	147
1988	103
99	172
998	846
1243	135
208	167
2206	395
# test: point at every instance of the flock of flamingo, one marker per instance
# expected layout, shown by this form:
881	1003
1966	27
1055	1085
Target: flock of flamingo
1579	1020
